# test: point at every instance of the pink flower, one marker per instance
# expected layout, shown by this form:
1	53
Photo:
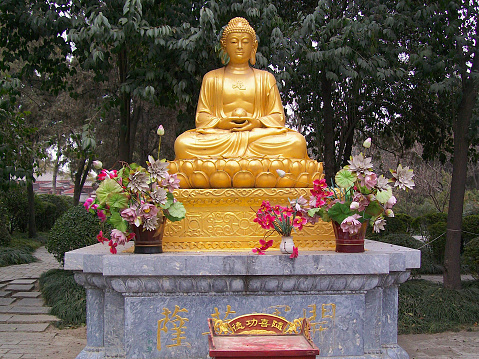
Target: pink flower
351	224
113	174
88	203
101	215
102	175
129	214
265	244
295	253
299	222
171	181
391	202
258	251
370	180
362	200
389	212
118	236
148	210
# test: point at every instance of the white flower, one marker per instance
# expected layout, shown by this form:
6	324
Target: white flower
151	223
360	165
281	173
158	169
160	131
402	177
354	206
367	143
139	182
391	202
97	165
379	224
382	183
158	195
389	212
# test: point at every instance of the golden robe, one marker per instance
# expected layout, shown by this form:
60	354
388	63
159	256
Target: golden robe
272	139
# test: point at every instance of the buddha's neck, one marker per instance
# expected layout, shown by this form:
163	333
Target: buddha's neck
238	69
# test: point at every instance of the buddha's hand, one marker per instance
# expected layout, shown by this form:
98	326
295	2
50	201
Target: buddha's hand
245	124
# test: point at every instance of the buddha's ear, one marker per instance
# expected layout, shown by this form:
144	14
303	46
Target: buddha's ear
252	59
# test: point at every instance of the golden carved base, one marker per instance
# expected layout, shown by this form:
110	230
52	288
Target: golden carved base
246	172
222	220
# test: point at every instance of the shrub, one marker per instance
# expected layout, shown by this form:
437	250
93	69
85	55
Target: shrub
10	256
470	228
437	240
44	215
66	298
55	206
426	307
428	264
15	202
421	224
76	228
471	257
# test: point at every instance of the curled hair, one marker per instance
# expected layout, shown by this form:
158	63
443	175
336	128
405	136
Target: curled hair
237	24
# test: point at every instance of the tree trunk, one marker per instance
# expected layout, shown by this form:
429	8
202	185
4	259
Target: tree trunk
80	178
328	129
452	256
32	227
56	168
124	145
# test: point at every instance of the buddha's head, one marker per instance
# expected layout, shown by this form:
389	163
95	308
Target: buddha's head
239	41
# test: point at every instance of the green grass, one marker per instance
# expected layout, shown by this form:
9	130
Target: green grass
19	250
426	307
66	298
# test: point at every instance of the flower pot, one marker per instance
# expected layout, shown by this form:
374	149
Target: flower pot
349	243
286	245
149	241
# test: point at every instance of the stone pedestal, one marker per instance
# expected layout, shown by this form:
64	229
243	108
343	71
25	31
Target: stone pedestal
157	306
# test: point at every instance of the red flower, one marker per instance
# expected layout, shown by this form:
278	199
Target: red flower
299	222
112	246
295	253
100	237
258	251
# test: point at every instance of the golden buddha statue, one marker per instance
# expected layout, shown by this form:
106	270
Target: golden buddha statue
239	154
240	126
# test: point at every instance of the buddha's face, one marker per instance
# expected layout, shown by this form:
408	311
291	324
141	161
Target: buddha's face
239	46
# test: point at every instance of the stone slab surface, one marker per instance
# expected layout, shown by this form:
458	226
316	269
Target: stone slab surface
6	301
19	327
28	310
29	302
34	318
19	287
4	293
26	294
23	281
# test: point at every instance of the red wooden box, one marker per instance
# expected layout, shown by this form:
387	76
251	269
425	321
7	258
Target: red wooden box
257	336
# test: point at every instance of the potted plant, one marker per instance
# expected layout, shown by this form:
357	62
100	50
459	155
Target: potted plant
136	201
358	197
280	219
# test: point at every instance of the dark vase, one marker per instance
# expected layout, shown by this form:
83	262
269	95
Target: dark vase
149	241
349	243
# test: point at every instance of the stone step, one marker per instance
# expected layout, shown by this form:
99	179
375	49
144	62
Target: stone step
19	287
26	294
29	302
6	301
24	327
14	309
27	318
23	281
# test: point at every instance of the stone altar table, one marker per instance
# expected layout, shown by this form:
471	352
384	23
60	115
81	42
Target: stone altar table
157	306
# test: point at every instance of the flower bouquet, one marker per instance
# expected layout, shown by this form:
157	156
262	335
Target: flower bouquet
136	200
282	220
358	197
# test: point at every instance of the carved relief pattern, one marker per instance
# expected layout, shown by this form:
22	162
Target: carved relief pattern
222	219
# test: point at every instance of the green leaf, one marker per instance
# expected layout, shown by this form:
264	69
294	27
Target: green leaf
345	178
106	188
374	209
118	222
117	200
339	212
384	195
176	212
